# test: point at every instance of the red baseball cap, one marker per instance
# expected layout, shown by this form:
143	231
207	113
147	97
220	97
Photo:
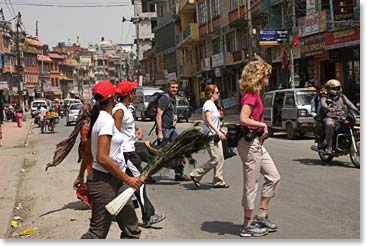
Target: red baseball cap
105	88
125	87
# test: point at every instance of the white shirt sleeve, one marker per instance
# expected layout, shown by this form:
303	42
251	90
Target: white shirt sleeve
107	127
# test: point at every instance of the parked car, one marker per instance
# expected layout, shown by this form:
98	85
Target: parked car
35	105
289	110
142	97
73	113
68	101
183	109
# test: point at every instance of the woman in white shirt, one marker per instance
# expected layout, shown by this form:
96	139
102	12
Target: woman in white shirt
211	125
107	180
125	122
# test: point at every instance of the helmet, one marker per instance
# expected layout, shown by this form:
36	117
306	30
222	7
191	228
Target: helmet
333	87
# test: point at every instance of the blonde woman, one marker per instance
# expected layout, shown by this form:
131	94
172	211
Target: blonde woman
211	117
255	158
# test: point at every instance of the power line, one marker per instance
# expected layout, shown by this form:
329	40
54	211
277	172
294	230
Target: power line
7	6
122	31
70	5
11	5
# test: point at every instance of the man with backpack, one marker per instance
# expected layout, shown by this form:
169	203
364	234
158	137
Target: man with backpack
165	122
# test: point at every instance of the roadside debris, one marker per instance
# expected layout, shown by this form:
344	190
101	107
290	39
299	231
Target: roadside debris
14	223
20	206
27	232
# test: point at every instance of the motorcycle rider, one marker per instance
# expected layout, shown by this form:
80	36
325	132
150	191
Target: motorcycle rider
317	113
336	105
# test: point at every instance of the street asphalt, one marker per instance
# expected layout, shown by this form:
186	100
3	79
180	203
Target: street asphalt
314	200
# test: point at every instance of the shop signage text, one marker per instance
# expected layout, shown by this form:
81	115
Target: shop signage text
313	45
343	9
270	37
343	38
312	24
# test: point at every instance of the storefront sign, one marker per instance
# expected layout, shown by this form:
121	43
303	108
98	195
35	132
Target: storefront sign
270	37
217	60
172	76
276	53
343	38
338	71
310	6
343	9
218	72
206	64
313	45
312	24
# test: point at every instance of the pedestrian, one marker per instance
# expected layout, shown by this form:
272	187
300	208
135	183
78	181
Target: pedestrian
107	180
125	122
86	163
43	116
211	126
19	114
255	158
165	120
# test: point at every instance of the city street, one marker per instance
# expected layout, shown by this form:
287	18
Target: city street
314	201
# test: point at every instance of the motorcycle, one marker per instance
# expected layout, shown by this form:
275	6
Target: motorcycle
346	140
37	118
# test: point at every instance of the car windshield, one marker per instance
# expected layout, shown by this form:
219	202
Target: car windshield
182	103
38	104
304	98
75	107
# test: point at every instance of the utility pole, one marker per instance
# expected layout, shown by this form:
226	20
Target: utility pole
19	65
252	43
42	78
293	33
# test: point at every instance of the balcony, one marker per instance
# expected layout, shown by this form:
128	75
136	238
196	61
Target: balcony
191	33
185	70
233	57
187	5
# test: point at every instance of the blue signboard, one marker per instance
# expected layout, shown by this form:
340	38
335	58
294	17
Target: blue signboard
273	37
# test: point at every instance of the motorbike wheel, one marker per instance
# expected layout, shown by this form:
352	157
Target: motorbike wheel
355	155
51	127
325	158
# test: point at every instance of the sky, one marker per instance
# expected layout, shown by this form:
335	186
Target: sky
58	24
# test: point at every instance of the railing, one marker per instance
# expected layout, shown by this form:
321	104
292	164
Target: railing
237	55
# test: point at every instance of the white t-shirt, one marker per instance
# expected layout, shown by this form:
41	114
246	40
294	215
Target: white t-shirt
210	106
127	128
104	125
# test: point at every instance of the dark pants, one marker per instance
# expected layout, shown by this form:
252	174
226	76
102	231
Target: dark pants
42	125
147	208
103	188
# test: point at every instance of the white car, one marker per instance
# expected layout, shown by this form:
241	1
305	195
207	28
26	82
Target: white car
73	113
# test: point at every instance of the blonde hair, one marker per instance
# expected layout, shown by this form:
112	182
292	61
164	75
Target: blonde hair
252	75
209	91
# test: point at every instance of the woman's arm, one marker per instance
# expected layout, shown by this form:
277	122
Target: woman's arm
106	162
245	119
209	122
118	116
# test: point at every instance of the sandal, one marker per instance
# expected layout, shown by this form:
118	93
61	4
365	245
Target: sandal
221	186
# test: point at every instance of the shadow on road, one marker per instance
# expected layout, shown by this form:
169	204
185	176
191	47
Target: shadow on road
282	136
315	162
191	186
221	227
78	205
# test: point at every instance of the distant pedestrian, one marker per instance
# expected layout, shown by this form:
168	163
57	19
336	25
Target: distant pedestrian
43	116
1	131
211	118
19	114
255	158
107	180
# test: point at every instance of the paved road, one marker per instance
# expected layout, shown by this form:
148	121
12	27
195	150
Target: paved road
314	201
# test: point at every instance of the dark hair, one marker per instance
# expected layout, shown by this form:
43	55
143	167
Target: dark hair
95	111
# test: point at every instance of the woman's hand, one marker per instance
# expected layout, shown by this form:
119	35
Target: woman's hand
265	133
135	182
78	182
222	136
139	133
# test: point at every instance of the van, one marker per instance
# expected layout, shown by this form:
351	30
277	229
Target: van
183	108
141	101
289	110
35	105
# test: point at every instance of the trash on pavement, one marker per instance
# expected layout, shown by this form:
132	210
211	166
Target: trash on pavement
14	223
18	218
20	206
28	231
72	219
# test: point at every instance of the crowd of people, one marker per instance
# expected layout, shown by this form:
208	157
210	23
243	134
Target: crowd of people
107	151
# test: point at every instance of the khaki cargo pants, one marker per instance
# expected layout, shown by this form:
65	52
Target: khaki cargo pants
256	160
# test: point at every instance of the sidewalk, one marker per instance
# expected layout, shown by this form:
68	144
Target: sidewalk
12	154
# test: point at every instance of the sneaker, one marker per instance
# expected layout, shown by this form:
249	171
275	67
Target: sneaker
265	222
182	178
253	230
196	182
154	219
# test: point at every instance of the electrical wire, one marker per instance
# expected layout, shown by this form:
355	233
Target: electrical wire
11	5
70	5
7	6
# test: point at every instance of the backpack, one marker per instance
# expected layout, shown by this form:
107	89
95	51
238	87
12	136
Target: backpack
153	104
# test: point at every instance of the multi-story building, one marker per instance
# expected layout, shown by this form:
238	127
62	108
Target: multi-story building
44	64
56	84
101	71
145	15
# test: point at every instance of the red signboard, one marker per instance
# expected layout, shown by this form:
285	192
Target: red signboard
342	38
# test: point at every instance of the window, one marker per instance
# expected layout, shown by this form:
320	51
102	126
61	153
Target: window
202	13
268	100
216	8
231	42
216	46
289	100
148	7
233	5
